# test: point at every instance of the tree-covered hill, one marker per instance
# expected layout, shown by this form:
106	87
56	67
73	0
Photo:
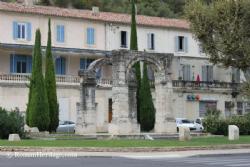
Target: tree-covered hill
161	8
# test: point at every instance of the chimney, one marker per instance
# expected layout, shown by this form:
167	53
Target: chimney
95	11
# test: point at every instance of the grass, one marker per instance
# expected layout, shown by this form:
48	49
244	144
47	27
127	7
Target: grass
209	141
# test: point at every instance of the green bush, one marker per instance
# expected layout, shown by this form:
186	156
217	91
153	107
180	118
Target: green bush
11	122
219	126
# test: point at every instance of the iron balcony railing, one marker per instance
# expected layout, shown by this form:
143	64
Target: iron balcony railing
205	84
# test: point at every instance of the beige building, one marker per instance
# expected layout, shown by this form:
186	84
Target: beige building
81	36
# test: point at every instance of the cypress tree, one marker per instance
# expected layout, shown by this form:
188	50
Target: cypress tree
147	110
50	82
133	35
38	106
30	87
134	46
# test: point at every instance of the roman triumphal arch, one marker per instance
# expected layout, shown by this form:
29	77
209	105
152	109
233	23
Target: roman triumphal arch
124	119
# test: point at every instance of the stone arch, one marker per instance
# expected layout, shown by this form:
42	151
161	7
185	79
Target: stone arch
123	122
99	63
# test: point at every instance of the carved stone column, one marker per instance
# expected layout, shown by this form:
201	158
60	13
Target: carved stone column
122	120
164	117
86	115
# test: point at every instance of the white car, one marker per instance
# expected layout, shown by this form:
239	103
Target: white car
66	127
183	122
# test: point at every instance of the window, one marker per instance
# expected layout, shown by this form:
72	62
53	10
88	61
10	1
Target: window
98	73
60	66
151	41
60	33
236	75
247	107
21	31
186	72
124	39
240	108
84	63
207	73
181	44
20	63
229	105
90	36
206	105
201	50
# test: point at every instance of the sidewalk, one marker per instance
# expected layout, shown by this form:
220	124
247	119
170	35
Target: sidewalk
130	155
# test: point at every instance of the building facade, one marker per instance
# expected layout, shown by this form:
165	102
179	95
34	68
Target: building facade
81	36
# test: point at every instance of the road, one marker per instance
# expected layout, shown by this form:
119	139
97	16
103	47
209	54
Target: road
204	161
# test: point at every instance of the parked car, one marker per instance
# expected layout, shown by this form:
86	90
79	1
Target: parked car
199	124
66	126
183	122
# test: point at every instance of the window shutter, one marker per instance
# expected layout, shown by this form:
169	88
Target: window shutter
88	36
210	73
29	64
58	66
238	76
62	33
121	38
63	65
82	64
58	33
176	44
188	73
15	30
126	38
93	36
149	40
184	72
12	63
186	44
204	73
29	31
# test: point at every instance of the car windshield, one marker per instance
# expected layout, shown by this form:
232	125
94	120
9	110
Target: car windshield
186	121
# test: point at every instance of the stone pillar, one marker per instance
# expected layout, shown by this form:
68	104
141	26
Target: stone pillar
164	117
184	134
122	121
233	132
86	115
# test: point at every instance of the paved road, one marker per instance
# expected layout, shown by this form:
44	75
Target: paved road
205	161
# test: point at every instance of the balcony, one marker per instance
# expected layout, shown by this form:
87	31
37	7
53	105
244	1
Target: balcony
62	80
206	85
24	79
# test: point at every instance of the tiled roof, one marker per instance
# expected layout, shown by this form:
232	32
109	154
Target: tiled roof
87	14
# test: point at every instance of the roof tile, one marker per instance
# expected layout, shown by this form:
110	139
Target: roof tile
87	14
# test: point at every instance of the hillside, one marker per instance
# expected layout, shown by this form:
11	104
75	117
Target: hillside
161	8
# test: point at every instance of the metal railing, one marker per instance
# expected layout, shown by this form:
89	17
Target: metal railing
104	83
60	79
205	84
25	78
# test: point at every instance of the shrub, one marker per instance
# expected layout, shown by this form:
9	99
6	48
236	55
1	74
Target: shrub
219	126
11	122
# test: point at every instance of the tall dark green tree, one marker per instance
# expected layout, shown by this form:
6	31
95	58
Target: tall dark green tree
147	110
30	87
38	104
145	107
50	83
134	46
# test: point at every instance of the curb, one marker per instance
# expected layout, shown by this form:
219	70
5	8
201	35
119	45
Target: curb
120	149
